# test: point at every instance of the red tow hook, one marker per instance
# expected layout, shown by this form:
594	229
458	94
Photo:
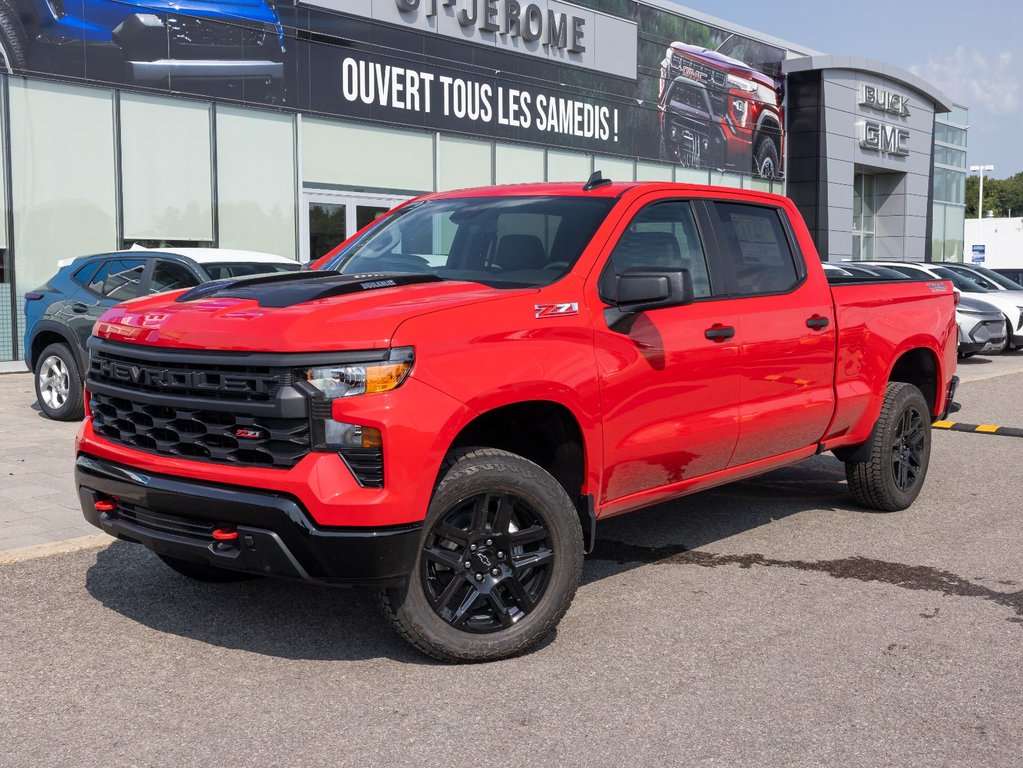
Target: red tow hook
223	534
104	505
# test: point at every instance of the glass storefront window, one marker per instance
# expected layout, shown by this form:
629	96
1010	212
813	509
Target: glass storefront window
950	134
954	227
937	233
169	140
949	186
864	209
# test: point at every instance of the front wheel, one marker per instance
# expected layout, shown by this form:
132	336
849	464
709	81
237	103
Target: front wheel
766	158
59	390
900	445
500	562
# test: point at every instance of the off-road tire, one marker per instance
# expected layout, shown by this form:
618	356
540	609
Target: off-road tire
467	473
873	482
766	158
202	572
13	40
73	406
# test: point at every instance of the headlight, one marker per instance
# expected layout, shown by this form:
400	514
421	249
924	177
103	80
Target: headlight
742	85
337	381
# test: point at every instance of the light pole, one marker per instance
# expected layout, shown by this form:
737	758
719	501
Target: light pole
980	197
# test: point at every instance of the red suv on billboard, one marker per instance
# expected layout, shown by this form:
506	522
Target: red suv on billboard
739	107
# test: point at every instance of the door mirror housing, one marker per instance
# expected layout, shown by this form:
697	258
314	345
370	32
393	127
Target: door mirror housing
642	289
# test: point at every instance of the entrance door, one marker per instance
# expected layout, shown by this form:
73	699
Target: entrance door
330	217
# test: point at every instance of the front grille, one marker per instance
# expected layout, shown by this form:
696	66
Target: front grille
189	30
698	71
239	383
161	522
191	433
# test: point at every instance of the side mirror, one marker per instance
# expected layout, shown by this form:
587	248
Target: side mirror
641	289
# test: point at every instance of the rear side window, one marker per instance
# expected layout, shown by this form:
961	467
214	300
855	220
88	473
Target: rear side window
246	269
84	275
755	248
168	276
663	236
119	279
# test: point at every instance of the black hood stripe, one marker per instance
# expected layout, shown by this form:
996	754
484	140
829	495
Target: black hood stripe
290	288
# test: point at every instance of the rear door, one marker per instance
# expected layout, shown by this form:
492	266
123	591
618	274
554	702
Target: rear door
669	377
117	279
785	332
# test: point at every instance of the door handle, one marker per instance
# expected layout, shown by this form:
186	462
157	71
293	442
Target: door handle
817	322
79	308
719	332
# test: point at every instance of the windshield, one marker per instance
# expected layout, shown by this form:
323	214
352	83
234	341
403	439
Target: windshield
228	269
504	242
960	281
1000	280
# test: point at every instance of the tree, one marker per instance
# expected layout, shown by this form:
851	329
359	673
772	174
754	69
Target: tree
1003	197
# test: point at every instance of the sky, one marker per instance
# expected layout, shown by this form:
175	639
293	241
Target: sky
972	50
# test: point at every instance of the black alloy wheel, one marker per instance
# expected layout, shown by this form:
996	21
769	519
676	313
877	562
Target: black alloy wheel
908	448
500	561
487	562
891	476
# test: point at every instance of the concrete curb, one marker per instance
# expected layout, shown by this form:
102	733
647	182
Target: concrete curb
36	551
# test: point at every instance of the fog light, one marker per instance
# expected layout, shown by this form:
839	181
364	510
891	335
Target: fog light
344	435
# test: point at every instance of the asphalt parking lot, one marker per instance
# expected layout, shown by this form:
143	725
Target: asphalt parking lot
770	622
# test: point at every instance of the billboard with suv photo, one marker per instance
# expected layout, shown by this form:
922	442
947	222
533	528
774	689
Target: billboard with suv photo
608	76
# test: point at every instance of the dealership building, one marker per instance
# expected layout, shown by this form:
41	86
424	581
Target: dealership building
287	127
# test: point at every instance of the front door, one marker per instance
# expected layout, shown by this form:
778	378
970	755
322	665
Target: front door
331	217
669	377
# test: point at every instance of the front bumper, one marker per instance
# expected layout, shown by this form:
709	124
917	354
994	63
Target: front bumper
276	537
209	69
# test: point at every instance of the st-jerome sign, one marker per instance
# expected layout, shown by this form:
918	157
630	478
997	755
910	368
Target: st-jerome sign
554	30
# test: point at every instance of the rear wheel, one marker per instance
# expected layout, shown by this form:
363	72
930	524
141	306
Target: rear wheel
892	477
766	163
58	384
203	572
500	562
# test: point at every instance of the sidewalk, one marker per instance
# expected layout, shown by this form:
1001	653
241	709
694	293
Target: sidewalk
38	502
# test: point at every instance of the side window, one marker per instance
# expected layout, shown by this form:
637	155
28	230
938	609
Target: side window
119	279
84	275
663	236
168	276
755	249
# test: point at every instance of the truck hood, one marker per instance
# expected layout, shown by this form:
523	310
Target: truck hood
725	63
293	312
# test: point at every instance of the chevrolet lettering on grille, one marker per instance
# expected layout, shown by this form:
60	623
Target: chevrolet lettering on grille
167	378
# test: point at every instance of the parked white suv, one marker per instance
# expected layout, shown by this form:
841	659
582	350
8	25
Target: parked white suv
1009	303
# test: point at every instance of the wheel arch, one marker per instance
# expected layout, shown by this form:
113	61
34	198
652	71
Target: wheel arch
919	366
47	333
546	432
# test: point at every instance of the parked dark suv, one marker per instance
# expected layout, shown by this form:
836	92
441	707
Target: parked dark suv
60	315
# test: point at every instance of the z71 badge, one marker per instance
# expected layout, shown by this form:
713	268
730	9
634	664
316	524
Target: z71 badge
556	310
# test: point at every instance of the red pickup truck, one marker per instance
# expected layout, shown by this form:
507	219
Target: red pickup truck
489	372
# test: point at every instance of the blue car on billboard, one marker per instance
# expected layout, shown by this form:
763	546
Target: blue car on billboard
233	48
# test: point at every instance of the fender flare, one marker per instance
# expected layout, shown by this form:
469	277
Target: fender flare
52	326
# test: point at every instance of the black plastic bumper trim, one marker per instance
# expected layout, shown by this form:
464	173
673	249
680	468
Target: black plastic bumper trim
276	537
